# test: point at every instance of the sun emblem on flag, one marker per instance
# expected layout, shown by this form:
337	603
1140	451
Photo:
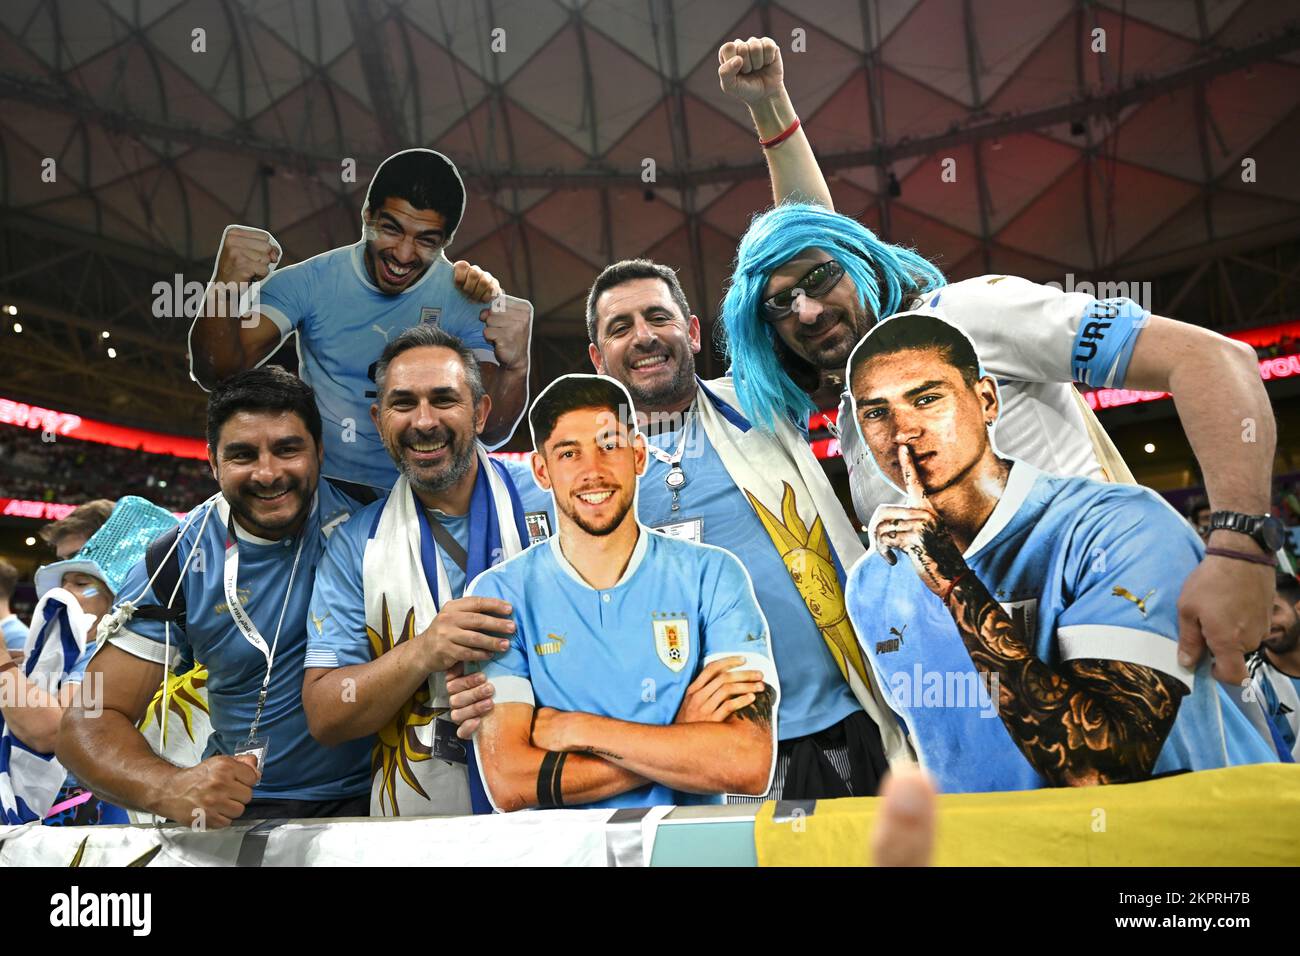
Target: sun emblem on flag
397	745
185	694
807	556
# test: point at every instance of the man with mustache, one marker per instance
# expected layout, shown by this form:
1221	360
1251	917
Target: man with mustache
835	733
1275	670
713	478
347	303
638	672
246	558
1054	596
809	282
388	617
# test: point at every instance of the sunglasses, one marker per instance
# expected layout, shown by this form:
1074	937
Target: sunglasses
816	283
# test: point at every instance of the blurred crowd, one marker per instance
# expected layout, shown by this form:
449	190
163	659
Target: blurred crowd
72	472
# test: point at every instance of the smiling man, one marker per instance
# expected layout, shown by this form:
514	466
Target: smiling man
1028	637
246	559
388	619
809	282
638	671
346	304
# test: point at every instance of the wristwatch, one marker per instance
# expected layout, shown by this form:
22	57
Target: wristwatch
1265	529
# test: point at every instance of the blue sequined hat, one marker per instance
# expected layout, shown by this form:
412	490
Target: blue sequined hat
115	548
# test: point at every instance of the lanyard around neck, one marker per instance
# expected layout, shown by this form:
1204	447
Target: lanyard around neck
230	581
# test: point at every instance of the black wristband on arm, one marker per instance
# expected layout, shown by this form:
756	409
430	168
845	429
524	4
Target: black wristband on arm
549	794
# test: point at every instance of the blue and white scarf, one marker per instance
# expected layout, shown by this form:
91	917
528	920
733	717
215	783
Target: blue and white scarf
29	779
405	583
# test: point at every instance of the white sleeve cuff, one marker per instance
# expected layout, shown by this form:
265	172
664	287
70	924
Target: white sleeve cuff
1110	643
753	662
279	318
145	648
320	657
513	690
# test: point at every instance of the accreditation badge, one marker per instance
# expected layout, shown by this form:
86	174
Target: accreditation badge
691	529
672	640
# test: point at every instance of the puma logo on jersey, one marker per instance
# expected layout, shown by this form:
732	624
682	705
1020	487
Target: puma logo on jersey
318	622
552	646
894	643
1128	595
383	332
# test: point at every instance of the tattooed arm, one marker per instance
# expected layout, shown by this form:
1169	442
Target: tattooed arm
722	752
1091	722
512	759
1088	722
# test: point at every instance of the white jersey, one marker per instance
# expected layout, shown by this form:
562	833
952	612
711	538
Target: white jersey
1036	341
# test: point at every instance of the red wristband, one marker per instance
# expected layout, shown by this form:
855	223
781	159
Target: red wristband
1270	560
780	138
948	593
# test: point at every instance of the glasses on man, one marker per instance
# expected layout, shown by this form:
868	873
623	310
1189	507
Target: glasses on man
817	282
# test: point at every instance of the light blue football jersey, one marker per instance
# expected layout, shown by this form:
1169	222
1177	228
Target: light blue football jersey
297	766
337	635
814	693
1085	570
539	505
14	631
629	651
343	323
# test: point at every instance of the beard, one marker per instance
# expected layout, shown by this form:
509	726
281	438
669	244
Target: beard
244	504
594	528
653	397
831	354
1286	642
457	466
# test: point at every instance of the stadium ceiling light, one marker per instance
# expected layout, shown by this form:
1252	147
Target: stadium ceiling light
30	541
104	334
18	328
112	353
1149	448
11	309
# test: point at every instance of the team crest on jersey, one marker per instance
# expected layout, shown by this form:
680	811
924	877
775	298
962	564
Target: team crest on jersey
430	314
672	640
538	524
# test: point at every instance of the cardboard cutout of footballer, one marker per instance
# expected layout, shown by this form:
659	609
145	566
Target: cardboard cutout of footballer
640	672
1023	625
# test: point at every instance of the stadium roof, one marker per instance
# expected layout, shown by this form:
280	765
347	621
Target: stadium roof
1067	161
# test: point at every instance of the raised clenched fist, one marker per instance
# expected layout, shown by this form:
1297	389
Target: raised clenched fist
246	255
751	70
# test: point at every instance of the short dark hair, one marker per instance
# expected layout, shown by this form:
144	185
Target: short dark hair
1288	587
424	178
8	580
82	520
572	392
629	270
909	331
430	336
266	389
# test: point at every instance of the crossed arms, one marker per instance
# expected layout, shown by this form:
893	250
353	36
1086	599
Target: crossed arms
722	741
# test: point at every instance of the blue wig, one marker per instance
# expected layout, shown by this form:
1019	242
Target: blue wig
763	384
